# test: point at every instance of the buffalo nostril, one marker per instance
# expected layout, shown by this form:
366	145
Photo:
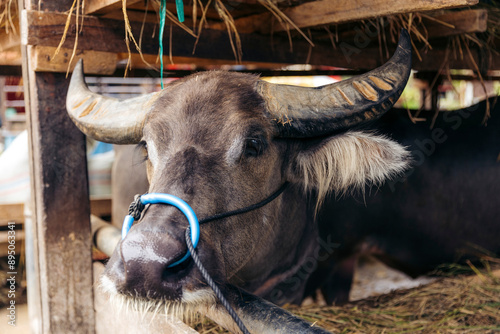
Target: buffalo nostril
177	270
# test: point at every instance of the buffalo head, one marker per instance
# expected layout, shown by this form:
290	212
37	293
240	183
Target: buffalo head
222	141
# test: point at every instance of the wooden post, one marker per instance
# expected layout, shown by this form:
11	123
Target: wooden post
62	264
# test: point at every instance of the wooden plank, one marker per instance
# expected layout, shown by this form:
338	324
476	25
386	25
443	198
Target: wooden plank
10	58
59	250
47	28
326	12
96	62
257	23
137	62
62	6
61	206
105	6
464	21
11	213
100	206
432	61
15	212
58	239
11	69
449	24
150	17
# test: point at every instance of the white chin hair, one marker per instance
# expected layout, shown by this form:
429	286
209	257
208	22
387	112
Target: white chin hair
184	309
107	285
199	297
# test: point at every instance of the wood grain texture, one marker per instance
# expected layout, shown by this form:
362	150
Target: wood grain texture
464	21
104	6
62	208
327	12
96	62
107	35
61	243
46	29
11	213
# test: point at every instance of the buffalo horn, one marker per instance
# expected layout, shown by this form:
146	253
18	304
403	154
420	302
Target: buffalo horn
301	112
105	118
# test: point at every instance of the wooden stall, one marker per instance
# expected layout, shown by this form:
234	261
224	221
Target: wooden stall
45	38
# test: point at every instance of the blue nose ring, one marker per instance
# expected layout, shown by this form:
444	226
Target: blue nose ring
159	198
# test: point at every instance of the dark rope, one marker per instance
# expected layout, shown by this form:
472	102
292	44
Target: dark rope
202	269
136	208
246	209
212	284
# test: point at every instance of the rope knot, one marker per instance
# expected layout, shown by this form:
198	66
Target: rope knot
135	208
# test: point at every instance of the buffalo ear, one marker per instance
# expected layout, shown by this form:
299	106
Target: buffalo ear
347	162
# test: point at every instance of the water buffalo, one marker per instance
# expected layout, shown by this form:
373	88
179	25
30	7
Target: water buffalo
222	141
444	209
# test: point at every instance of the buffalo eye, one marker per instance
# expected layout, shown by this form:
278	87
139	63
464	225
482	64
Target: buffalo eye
254	147
143	147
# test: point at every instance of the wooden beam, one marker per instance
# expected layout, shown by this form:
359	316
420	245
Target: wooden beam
138	63
448	24
432	60
96	62
46	29
61	206
11	70
11	58
15	212
105	6
58	249
489	76
150	17
100	207
327	12
11	213
464	21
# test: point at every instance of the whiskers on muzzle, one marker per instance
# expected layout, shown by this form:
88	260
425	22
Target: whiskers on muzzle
187	309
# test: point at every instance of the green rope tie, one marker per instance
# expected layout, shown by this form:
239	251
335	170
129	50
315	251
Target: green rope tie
163	14
179	5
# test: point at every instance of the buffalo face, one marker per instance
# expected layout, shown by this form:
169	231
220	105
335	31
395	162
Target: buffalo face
222	141
215	151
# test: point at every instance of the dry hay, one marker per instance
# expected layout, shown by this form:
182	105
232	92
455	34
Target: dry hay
415	23
462	304
8	15
457	46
